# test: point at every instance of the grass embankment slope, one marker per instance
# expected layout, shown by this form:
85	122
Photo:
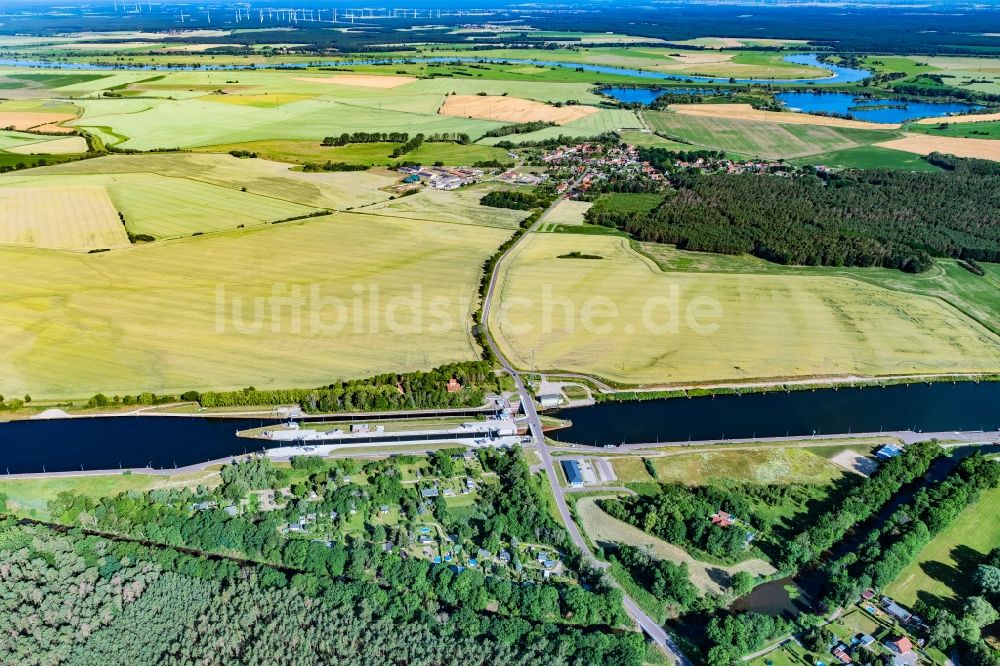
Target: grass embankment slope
769	326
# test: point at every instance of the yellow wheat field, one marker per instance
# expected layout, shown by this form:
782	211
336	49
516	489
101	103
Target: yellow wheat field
511	109
66	218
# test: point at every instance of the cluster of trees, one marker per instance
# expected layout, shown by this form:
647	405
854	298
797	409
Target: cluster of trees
514	199
859	504
889	547
608	138
663	159
682	515
366	137
100	400
460	138
408	147
330	165
520	128
894	219
515	506
411	390
88	601
732	635
670	583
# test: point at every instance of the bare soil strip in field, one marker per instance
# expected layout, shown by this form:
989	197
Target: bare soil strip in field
511	109
971	118
25	120
709	578
747	112
923	144
361	80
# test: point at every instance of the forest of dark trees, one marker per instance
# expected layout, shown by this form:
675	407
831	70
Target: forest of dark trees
893	219
85	600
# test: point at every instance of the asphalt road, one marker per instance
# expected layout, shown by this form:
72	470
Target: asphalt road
649	626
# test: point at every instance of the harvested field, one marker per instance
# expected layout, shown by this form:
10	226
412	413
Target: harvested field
511	109
623	319
747	112
25	120
923	144
971	118
193	314
361	80
63	218
600	527
67	146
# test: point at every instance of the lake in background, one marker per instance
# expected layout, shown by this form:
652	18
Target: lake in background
846	103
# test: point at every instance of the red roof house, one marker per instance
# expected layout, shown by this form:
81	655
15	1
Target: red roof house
900	645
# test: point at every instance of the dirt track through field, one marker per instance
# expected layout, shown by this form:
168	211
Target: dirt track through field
511	109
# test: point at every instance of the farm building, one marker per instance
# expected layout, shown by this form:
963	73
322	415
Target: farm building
722	519
841	655
412	178
572	470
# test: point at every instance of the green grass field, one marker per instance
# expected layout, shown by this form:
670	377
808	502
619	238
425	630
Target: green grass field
868	157
941	572
989	129
754	138
623	319
198	313
768	465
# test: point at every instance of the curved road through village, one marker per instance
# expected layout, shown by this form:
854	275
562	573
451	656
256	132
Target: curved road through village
646	623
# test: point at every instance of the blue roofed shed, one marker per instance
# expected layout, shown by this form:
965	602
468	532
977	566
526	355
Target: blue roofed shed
572	470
